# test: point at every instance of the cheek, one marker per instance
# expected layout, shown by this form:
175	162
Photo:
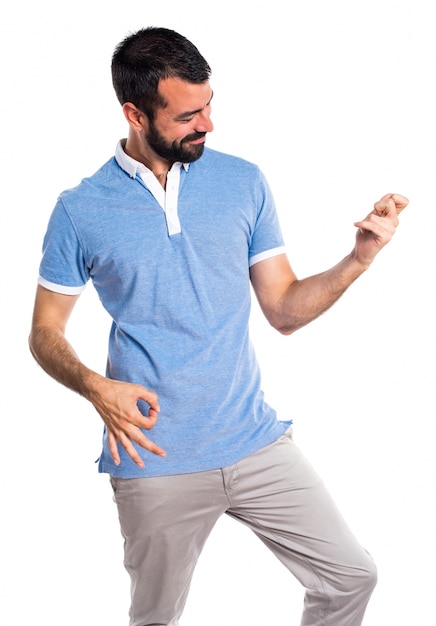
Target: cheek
176	132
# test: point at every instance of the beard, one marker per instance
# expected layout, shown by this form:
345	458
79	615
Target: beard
178	150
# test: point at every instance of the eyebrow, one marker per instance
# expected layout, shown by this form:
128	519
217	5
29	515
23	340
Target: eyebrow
189	113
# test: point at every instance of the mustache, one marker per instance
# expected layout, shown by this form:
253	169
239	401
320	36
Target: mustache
193	137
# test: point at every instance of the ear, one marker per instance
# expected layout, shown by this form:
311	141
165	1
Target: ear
136	118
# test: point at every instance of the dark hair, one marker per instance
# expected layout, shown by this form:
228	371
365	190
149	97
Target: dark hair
149	55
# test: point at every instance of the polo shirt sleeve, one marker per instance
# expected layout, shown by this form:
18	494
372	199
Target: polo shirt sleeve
267	239
63	268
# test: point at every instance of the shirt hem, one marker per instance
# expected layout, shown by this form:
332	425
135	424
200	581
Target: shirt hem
210	465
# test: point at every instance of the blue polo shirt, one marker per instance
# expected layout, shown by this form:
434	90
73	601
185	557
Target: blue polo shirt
172	270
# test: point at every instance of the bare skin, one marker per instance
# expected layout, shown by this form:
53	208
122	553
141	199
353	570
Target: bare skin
287	302
188	111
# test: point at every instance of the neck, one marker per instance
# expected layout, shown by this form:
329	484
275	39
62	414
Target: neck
145	155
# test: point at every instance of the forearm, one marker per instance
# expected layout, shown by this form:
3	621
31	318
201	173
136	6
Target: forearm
305	300
57	358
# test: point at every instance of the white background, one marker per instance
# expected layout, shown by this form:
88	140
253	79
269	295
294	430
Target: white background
336	102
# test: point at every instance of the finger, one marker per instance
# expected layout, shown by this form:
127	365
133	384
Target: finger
390	204
149	445
139	438
400	202
385	206
113	447
381	229
149	397
126	442
131	450
152	417
146	421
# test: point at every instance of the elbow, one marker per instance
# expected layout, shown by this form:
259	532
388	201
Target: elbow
35	341
285	330
30	341
31	344
283	327
283	323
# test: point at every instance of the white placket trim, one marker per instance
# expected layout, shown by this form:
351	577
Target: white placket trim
167	198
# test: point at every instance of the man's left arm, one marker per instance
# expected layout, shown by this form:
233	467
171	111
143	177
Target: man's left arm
289	303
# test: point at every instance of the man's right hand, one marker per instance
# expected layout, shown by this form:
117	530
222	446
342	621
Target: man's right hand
117	404
115	401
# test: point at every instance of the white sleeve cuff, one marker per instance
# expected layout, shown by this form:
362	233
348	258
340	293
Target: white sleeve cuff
68	291
267	255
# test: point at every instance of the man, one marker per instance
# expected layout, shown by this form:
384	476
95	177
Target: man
171	234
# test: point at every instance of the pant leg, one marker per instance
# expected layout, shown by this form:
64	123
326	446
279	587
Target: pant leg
165	522
280	497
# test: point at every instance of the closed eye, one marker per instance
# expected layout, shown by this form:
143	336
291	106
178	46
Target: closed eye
188	116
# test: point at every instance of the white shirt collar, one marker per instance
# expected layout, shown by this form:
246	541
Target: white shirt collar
131	166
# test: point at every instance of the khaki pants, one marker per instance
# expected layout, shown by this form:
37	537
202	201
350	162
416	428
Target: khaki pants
165	522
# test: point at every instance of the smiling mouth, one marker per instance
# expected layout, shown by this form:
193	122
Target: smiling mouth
195	138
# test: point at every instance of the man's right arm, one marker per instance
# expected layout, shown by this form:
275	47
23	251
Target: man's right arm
115	401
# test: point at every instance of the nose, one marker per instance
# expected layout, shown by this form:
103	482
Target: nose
204	123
